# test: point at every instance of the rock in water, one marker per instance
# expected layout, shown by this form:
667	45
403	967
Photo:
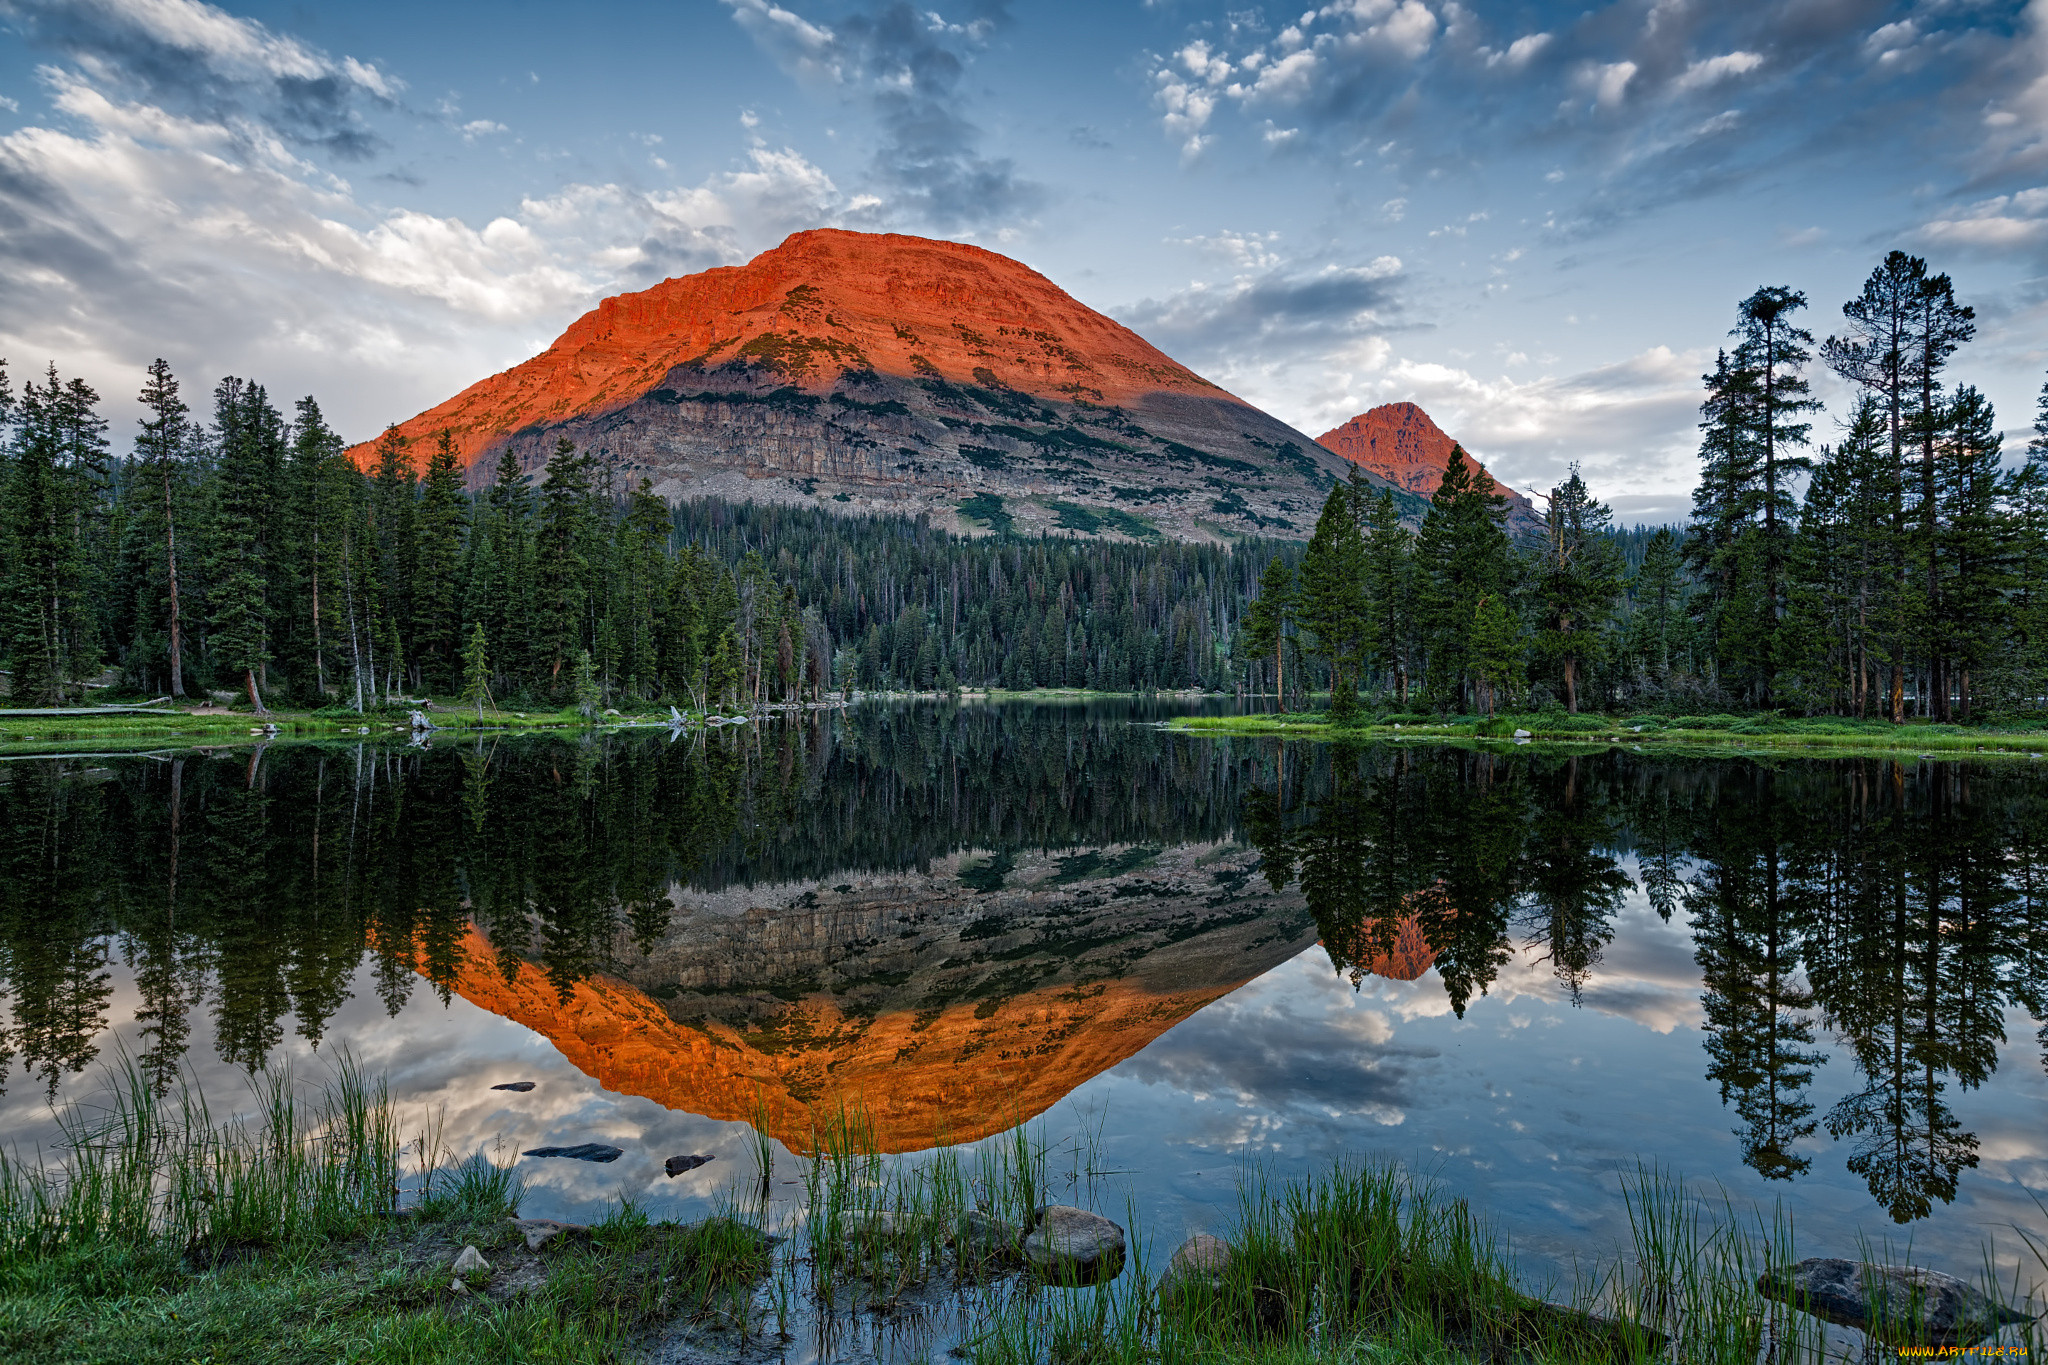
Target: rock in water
676	1165
982	1238
1894	1304
1201	1260
471	1262
1073	1246
540	1231
583	1151
521	1086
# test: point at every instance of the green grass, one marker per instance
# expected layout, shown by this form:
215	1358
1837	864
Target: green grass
1718	734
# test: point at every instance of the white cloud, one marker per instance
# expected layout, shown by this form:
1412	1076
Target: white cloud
2004	223
1714	70
1607	82
9	105
479	127
1519	53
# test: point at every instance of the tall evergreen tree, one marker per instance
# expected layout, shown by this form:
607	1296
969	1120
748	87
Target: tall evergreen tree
249	438
437	600
1330	603
561	567
1461	555
161	448
1579	580
1389	591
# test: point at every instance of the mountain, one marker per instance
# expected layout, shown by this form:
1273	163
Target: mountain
877	372
1399	443
951	1002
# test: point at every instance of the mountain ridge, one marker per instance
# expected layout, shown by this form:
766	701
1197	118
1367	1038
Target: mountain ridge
880	372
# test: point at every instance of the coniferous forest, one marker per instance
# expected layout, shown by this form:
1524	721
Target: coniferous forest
247	555
1886	562
1890	563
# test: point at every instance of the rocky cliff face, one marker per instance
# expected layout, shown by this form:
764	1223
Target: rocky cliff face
1399	443
867	372
951	1003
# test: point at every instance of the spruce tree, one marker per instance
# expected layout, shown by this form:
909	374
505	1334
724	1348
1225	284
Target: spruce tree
1875	354
249	436
1268	619
1461	555
1330	604
437	601
1656	595
44	563
1774	351
1389	591
1578	583
1496	650
161	448
476	670
561	566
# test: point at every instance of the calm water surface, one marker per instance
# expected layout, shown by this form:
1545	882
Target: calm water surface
1815	982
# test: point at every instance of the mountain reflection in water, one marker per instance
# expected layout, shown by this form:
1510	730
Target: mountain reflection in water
961	914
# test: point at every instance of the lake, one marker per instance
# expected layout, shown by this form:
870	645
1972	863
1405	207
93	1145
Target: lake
1811	983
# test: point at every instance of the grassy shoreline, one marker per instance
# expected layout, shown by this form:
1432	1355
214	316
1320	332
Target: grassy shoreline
1714	736
297	1234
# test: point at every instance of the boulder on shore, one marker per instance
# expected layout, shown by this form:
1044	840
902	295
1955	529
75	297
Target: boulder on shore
1895	1304
540	1231
1073	1246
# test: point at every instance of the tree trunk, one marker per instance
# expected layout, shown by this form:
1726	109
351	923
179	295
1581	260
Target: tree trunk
255	697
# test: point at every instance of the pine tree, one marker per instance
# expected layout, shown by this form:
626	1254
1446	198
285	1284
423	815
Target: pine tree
2026	497
161	448
1773	350
1656	597
1875	353
1267	622
43	569
476	671
1580	578
1461	555
1496	650
1330	604
1973	548
1939	326
561	566
321	482
1389	591
438	535
249	437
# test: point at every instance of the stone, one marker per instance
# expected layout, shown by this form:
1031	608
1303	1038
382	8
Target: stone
979	1237
1200	1260
1521	734
521	1086
1073	1246
457	1287
538	1232
871	1225
1895	1304
676	1165
471	1262
583	1151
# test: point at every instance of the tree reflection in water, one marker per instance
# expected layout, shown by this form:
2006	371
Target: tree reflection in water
1900	907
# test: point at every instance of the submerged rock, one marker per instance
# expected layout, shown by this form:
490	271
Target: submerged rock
1200	1260
521	1086
982	1238
676	1165
1073	1246
1895	1304
540	1231
583	1151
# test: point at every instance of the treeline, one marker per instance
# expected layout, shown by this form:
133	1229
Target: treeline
249	554
1900	570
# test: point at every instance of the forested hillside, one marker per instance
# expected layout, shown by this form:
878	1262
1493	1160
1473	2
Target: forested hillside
247	554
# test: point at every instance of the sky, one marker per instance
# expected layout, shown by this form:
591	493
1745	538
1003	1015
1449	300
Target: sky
1535	220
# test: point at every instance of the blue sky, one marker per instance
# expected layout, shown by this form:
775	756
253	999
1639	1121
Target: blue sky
1533	219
